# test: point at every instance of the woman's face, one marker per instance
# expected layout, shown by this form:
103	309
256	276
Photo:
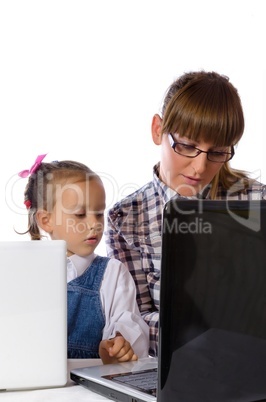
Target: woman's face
187	176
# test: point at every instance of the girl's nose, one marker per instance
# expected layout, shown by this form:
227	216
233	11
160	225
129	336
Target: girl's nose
91	224
94	224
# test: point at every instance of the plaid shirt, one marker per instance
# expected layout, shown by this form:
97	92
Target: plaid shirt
134	237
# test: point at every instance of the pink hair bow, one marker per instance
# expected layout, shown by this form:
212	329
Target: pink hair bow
34	168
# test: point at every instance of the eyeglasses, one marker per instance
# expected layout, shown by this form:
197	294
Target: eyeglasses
191	152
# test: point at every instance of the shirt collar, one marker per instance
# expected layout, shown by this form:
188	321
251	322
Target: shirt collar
81	263
165	192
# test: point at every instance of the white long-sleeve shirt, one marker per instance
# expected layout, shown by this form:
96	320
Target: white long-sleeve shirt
118	297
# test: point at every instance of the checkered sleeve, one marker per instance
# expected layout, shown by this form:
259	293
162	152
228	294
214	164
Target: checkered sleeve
117	247
152	319
126	242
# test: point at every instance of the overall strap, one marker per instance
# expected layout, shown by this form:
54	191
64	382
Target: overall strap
92	277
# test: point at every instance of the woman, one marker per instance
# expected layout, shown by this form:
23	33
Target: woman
202	121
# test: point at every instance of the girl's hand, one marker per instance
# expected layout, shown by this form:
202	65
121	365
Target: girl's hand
116	350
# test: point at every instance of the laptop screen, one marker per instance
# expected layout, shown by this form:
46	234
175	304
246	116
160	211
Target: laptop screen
213	301
33	314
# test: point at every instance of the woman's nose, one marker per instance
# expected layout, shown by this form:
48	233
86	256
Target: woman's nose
200	162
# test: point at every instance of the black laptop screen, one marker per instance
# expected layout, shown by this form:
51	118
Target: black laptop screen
213	301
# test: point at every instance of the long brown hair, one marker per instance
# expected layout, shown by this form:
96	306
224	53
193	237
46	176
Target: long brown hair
206	106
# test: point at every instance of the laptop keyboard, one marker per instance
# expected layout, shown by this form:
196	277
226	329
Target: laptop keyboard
145	381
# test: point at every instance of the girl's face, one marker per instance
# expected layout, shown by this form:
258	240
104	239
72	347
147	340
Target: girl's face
78	216
187	176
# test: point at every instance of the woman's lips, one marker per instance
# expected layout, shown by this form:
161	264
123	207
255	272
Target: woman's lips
192	181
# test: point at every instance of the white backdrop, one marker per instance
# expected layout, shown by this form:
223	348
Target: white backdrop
82	79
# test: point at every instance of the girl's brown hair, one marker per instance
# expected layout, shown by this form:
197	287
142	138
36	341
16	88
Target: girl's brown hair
206	106
40	189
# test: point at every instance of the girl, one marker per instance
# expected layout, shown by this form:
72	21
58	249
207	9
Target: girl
66	200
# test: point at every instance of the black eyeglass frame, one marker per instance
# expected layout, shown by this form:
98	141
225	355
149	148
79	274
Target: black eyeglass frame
173	144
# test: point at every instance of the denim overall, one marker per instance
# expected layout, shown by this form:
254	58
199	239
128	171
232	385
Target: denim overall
85	315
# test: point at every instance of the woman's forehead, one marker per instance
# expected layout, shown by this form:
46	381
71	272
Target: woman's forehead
203	141
210	137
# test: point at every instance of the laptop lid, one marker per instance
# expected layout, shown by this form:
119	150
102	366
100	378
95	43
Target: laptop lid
33	314
213	302
212	309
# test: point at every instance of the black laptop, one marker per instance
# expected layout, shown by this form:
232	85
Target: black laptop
212	311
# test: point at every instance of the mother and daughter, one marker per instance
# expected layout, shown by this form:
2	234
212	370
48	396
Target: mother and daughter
201	123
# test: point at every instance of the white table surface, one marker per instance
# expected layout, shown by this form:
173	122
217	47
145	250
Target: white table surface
70	393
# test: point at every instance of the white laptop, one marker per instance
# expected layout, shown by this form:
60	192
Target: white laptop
33	315
212	328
